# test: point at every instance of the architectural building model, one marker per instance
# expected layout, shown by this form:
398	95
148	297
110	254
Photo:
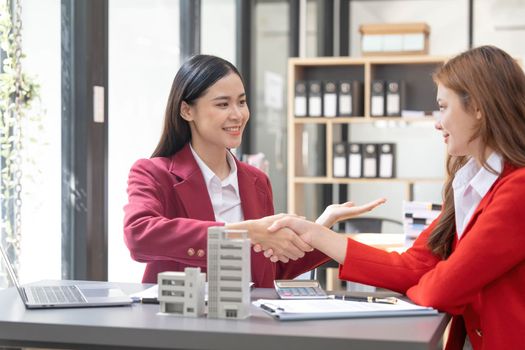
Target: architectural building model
229	273
182	293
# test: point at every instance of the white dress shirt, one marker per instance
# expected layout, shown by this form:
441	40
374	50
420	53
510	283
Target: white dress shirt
470	185
224	195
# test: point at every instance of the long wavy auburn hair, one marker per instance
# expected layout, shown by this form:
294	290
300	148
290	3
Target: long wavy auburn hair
488	81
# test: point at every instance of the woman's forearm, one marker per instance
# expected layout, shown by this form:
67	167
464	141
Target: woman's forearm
331	243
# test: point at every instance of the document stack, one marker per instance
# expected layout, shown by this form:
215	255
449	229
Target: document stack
417	216
333	308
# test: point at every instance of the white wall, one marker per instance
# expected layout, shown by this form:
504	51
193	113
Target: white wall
500	23
496	22
448	20
218	33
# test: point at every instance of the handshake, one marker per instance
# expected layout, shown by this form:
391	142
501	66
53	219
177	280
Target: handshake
283	237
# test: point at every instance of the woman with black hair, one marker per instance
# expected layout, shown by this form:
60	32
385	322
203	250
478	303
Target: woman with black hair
192	182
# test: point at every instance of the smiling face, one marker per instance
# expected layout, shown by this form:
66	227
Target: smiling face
217	118
457	124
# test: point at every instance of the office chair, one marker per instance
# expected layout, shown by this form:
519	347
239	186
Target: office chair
357	225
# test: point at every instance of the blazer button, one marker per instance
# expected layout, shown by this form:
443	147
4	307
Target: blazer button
191	252
200	253
478	332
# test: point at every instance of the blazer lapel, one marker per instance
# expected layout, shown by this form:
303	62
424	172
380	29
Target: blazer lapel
474	217
507	169
191	189
253	195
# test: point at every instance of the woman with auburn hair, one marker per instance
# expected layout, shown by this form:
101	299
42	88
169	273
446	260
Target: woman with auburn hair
470	262
192	182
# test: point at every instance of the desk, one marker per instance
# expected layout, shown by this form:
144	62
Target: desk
386	241
139	327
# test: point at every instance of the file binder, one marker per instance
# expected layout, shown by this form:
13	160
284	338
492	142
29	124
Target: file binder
351	98
329	99
339	164
300	99
355	160
387	158
315	102
370	160
377	103
316	309
395	95
345	99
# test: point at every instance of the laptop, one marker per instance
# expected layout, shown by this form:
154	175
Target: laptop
66	296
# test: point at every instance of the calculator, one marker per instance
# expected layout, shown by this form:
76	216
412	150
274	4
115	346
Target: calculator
299	289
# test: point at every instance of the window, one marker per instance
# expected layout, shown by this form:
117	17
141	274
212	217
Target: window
143	59
231	313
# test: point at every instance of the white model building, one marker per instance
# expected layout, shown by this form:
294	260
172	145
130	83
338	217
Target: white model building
182	293
229	273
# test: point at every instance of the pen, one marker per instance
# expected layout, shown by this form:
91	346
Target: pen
268	308
367	299
150	300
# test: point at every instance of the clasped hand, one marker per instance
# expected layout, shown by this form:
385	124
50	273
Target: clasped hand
286	236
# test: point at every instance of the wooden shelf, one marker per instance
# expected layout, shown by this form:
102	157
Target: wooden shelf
416	71
361	120
347	61
345	180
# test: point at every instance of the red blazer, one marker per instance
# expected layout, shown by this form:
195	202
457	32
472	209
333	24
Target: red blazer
169	212
482	283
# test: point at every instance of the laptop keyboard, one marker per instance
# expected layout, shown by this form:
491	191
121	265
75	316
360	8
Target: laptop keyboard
57	295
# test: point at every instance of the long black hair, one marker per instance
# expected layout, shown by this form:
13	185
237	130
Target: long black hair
192	80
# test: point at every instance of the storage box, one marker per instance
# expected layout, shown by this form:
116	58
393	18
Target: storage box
394	39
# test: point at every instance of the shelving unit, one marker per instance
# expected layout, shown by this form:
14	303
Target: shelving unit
415	71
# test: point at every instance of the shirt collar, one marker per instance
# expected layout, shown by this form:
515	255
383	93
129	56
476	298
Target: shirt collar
209	175
477	177
484	179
